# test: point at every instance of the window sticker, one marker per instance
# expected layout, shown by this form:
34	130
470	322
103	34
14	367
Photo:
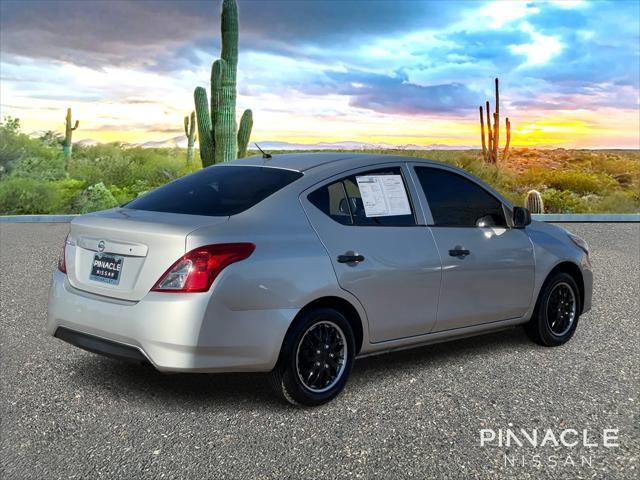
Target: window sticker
383	195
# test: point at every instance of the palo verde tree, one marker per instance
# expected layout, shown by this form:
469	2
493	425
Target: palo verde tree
490	145
219	140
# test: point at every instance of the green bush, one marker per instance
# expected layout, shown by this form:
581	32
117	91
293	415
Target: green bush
70	195
575	181
122	194
28	157
47	165
561	201
21	196
97	197
616	202
122	167
106	163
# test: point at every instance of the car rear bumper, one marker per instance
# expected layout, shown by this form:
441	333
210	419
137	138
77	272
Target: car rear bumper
101	346
192	332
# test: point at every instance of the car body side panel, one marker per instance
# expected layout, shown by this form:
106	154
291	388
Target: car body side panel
494	282
188	332
552	247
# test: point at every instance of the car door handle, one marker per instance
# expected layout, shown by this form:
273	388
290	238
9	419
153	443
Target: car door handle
351	258
459	252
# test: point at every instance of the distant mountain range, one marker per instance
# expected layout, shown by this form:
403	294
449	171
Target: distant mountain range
181	142
353	145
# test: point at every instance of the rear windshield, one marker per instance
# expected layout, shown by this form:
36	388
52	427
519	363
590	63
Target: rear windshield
216	191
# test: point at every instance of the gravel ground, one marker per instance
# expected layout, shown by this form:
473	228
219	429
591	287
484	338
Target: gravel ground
67	413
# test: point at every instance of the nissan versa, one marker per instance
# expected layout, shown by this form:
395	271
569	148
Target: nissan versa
297	264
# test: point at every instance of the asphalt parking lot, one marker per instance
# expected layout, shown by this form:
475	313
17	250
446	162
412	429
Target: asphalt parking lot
67	413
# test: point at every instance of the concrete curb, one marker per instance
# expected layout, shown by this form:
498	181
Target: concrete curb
37	218
546	217
588	217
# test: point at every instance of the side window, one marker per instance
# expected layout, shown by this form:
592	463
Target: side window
360	215
458	202
332	200
386	194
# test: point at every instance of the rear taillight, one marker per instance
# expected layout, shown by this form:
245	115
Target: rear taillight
62	259
196	271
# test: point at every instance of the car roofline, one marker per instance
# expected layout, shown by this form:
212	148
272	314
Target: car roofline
371	158
275	167
374	157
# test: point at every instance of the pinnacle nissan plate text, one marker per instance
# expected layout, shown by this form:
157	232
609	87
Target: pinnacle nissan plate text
297	264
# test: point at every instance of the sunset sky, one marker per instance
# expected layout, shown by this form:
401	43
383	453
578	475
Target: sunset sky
395	72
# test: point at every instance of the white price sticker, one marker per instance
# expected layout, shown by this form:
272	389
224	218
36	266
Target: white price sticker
383	195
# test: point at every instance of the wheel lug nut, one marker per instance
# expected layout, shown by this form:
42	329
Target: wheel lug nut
326	365
331	355
317	364
318	352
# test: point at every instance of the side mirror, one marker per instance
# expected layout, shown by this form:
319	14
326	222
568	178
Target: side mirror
521	217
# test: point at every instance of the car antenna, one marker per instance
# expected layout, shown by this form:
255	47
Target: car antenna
264	154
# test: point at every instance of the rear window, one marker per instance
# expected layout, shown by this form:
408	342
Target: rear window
216	191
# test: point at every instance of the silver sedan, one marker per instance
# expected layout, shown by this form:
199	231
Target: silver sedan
297	264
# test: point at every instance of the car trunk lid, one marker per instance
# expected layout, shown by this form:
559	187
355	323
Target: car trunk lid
121	253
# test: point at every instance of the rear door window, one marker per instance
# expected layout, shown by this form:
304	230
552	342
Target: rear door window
332	200
216	191
343	199
456	201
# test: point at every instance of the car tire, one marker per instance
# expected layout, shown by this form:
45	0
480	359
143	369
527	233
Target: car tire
557	311
316	358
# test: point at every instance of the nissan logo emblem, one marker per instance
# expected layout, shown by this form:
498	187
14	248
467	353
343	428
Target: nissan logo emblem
101	246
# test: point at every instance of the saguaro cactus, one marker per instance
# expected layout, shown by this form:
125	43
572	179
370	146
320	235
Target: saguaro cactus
68	132
533	202
190	132
505	152
244	132
219	141
491	146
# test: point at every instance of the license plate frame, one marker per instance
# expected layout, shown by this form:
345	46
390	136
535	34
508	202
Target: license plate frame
106	268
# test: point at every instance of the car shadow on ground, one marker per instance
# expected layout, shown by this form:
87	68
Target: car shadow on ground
249	390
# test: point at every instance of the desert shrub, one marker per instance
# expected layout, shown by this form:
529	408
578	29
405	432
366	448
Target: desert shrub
561	201
616	202
12	144
121	194
44	165
97	197
28	157
625	171
156	166
20	196
106	163
125	168
571	180
69	195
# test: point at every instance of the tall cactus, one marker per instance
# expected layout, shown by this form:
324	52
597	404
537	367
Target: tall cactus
484	144
491	146
190	132
244	132
68	132
505	152
533	202
220	140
